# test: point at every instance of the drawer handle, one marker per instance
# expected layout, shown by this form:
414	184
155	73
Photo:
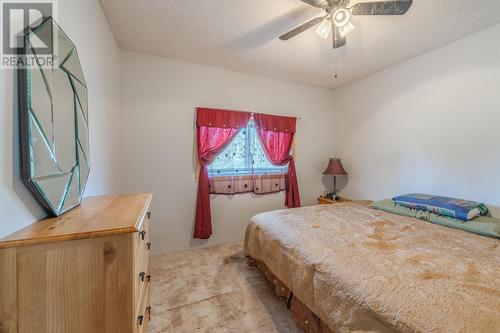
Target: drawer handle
141	276
148	244
148	310
143	234
148	214
140	319
148	277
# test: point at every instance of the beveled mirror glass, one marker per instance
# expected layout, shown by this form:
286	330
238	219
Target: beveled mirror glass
54	119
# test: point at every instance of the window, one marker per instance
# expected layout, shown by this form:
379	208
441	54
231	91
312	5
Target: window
244	156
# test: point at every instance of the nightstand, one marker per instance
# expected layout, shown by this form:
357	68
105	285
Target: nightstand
326	201
323	200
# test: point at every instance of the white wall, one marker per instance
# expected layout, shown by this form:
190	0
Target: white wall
85	24
159	97
430	124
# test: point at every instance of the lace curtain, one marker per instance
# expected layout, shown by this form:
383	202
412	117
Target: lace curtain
243	167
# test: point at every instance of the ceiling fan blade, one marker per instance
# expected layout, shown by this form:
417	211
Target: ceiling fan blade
302	28
338	40
398	7
317	3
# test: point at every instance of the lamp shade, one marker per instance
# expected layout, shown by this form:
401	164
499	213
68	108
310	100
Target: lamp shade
335	168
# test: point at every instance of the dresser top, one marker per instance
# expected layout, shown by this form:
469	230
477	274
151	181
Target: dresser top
97	216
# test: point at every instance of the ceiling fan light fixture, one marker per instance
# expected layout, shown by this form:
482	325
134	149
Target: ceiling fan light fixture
324	28
345	29
341	17
336	18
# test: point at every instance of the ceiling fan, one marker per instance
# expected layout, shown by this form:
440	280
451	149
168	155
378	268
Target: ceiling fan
338	17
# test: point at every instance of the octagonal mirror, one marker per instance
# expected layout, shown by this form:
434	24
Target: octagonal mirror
54	119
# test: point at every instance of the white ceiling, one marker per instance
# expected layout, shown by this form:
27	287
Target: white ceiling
243	35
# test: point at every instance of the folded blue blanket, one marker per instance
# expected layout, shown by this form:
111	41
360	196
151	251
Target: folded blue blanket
458	208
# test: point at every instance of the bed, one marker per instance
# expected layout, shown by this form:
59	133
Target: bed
360	269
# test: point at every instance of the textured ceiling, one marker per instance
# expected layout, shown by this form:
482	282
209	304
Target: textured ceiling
243	35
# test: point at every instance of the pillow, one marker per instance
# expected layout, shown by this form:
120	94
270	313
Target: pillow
452	207
481	225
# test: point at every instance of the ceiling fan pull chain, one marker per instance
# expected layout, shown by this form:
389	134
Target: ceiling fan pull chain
335	73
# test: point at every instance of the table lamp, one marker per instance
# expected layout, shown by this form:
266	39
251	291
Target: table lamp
334	169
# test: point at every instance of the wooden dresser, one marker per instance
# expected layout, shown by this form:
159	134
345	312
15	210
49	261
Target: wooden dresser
86	271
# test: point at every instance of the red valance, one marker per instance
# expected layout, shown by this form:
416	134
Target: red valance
275	123
207	117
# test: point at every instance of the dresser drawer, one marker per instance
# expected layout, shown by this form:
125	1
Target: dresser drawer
144	313
142	246
142	279
143	239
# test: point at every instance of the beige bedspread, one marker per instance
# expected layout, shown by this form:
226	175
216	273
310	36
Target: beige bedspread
360	269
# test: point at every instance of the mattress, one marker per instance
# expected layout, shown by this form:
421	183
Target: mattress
361	269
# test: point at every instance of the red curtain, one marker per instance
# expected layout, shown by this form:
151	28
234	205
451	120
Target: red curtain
276	136
214	131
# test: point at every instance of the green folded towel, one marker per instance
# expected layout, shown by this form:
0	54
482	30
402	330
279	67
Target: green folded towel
481	225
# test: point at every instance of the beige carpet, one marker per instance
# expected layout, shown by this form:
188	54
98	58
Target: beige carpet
214	290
